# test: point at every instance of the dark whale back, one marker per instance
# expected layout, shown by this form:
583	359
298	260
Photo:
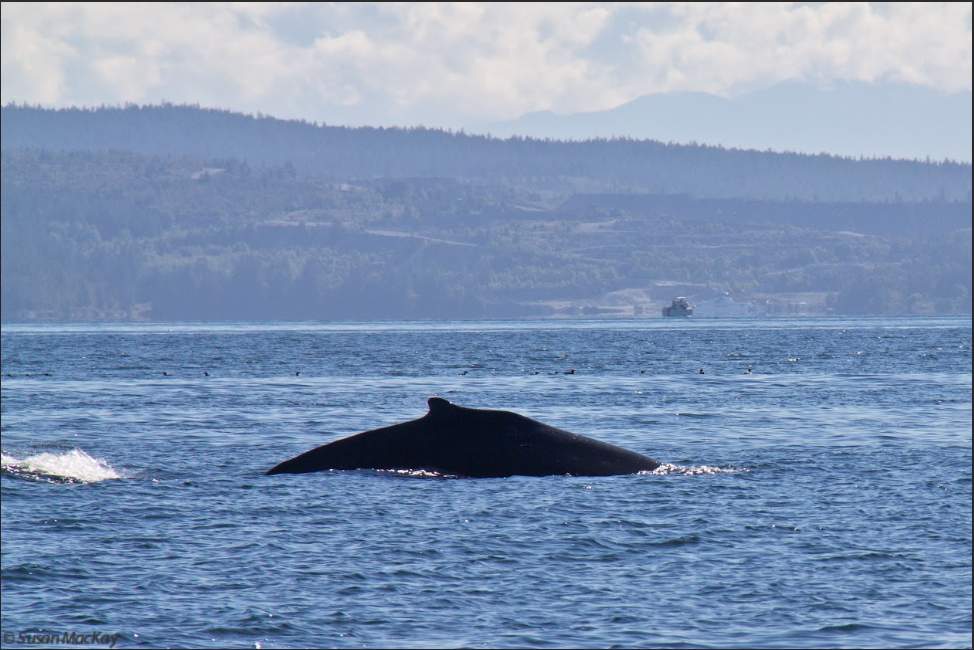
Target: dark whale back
478	443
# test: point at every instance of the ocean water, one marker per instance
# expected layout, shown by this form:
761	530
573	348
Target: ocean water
821	500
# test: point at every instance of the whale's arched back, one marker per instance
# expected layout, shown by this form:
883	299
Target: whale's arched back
477	443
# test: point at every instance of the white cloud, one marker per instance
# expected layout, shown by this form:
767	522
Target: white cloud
718	48
32	62
451	63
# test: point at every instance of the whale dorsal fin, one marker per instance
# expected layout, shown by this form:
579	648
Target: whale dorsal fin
439	406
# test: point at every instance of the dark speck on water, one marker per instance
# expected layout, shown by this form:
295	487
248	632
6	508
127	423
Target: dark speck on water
815	492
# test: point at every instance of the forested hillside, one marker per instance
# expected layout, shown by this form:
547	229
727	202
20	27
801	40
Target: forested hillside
109	234
615	165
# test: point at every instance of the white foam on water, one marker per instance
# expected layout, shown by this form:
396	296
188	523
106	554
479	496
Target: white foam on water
694	470
420	473
73	466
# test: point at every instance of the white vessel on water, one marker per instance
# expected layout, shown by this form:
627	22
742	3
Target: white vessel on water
679	308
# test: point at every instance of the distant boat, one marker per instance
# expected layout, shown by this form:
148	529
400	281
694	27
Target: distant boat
680	308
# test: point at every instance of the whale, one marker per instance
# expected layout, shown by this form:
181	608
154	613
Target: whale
467	442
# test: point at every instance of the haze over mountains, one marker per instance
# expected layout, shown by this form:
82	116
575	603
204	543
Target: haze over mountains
854	119
166	212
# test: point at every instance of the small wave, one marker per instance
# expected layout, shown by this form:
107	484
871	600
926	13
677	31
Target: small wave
74	466
416	473
694	470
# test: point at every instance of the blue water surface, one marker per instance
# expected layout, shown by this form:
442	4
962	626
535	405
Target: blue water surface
822	499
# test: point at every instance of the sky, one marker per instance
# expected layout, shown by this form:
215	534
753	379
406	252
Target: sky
451	65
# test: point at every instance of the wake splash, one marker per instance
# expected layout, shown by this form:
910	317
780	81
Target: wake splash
694	470
69	467
663	470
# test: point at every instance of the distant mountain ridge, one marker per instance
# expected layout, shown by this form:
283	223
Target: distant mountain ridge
182	213
622	165
854	119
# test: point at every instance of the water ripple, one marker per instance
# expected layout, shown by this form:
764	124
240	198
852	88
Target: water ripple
820	502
